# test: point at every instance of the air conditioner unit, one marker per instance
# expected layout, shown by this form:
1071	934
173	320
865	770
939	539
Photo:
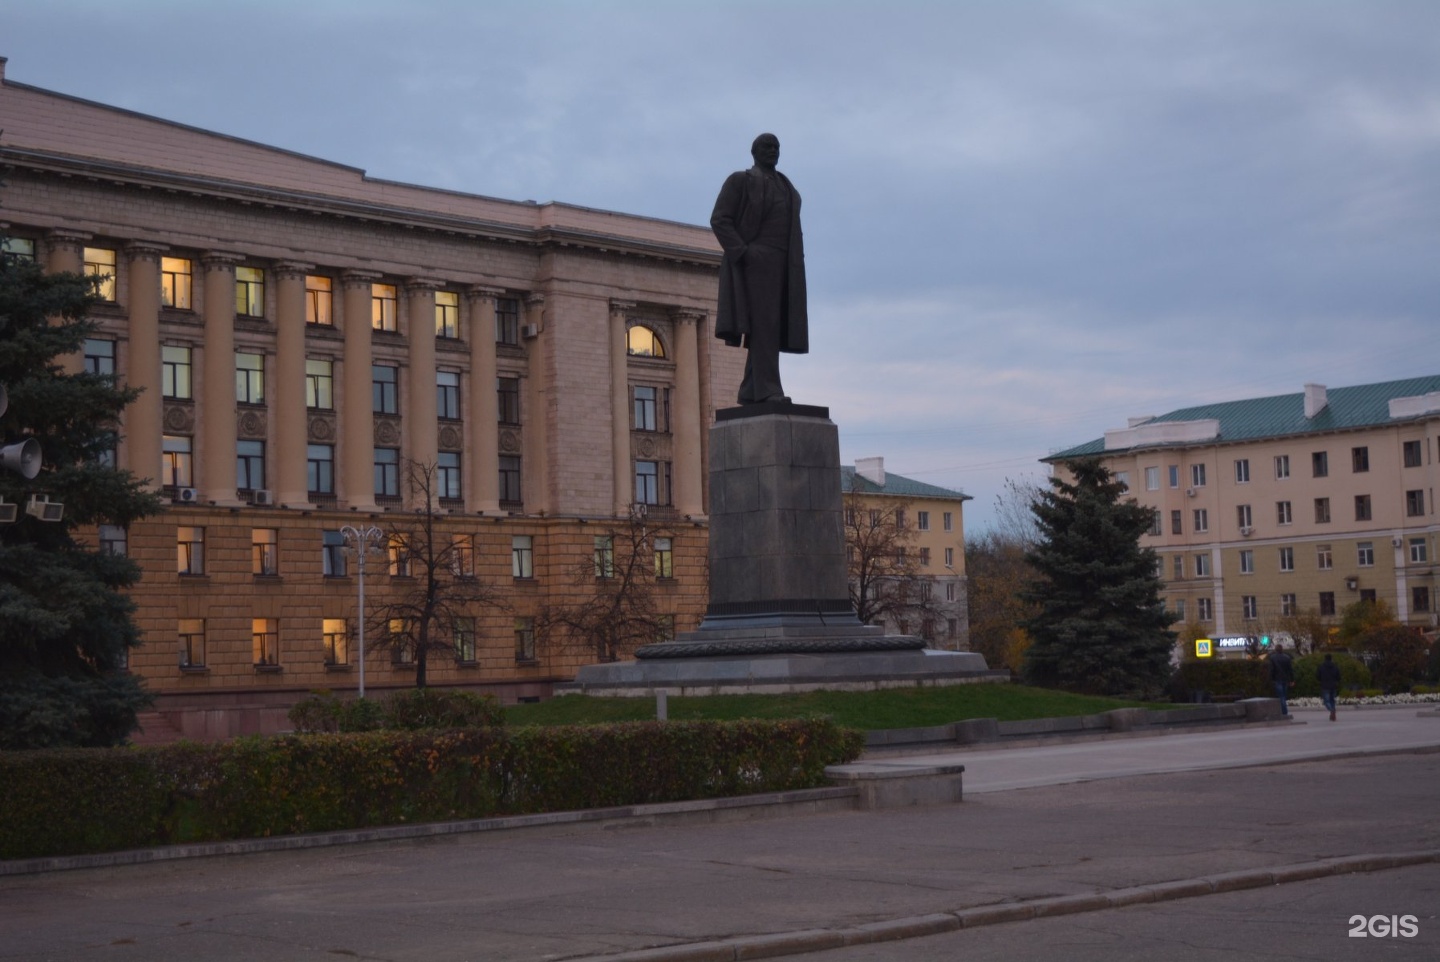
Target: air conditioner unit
530	330
186	496
1246	531
1191	492
261	496
43	508
1396	542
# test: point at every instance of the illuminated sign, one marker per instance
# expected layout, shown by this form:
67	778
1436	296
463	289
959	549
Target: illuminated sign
1202	648
1234	642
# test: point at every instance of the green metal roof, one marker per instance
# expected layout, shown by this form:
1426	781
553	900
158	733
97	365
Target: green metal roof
896	485
1365	405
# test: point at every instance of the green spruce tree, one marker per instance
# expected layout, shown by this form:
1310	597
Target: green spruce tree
65	623
1101	627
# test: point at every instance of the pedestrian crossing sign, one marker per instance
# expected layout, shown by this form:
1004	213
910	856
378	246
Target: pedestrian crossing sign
1202	648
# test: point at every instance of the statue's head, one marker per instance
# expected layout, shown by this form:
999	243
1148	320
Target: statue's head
766	150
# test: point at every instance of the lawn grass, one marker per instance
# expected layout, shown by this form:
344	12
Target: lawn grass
867	710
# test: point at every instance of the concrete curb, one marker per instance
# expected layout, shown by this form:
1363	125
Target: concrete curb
780	944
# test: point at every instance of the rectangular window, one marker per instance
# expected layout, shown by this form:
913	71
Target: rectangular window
462	555
447	314
1177	526
100	268
1414	503
1123	479
1419	598
1412	454
402	646
1327	603
192	642
1324	557
1367	594
320	468
382	307
1242	471
1287	605
176	464
336	638
1247	562
1283	514
265	641
463	631
1197	475
1362	507
1250	607
899	519
1156	526
1365	554
1360	460
1152	479
947	522
664	558
1322	510
100	356
384	389
447	475
1282	467
1179	566
399	553
175	372
249	292
645	404
507	320
447	395
925	557
265	551
333	554
1287	559
510	480
604	556
647	482
1419	554
950	556
177	283
319	384
1320	464
1202	520
922	520
319	301
525	639
190	551
249	465
1174	471
1205	609
1202	566
18	249
113	540
1179	608
1243	516
507	390
387	472
522	556
249	378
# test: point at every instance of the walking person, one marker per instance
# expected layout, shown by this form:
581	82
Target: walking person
1329	676
1282	676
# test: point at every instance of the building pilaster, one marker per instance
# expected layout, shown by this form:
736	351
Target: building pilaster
688	468
535	463
483	427
357	432
289	421
421	428
65	253
215	429
621	468
143	418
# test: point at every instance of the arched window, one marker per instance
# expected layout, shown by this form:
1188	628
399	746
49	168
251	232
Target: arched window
644	342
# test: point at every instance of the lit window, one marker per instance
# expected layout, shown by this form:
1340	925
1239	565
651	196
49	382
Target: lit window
399	551
319	384
319	301
387	472
249	465
664	558
264	551
447	395
522	556
447	314
175	372
604	556
447	475
265	641
336	639
644	342
190	551
100	268
192	642
384	388
249	292
18	248
320	468
177	284
100	356
382	307
249	378
175	461
507	321
401	640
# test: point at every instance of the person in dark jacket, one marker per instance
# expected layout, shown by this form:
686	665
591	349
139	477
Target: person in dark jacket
762	302
1282	676
1329	676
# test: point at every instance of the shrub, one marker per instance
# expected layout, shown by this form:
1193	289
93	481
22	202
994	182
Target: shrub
1353	673
414	709
1230	678
1396	654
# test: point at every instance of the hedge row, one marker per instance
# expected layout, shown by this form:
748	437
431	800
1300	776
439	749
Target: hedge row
1249	678
70	802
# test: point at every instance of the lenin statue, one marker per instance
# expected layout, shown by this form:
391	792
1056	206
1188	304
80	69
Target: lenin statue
762	272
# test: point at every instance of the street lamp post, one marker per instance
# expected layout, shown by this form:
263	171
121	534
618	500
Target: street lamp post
362	539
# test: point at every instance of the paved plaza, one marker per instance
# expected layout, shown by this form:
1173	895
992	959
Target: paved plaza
1053	825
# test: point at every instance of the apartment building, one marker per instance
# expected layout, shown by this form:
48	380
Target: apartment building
928	524
302	332
1274	506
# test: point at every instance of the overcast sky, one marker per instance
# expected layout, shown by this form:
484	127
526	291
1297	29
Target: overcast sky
1025	221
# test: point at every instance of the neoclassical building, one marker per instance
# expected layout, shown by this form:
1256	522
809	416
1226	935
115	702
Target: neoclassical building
302	332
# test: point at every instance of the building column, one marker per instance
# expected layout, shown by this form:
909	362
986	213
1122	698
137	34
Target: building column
65	253
289	423
688	495
143	418
421	433
483	421
215	429
357	431
623	470
535	463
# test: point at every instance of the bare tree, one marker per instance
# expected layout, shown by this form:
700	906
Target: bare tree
435	597
615	611
883	565
998	573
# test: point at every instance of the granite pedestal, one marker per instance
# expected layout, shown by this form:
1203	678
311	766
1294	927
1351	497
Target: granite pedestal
779	616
